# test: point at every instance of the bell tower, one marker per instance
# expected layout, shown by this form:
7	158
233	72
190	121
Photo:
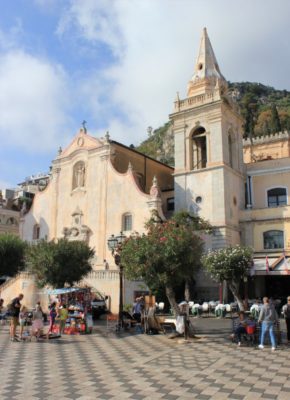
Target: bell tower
207	126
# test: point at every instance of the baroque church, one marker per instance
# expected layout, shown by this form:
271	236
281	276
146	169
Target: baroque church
99	187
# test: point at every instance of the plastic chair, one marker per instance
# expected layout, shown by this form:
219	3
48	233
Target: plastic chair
255	311
220	310
229	309
205	308
196	310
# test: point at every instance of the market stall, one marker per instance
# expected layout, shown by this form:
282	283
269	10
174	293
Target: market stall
78	303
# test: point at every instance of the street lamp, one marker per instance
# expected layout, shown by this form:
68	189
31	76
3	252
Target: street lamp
114	243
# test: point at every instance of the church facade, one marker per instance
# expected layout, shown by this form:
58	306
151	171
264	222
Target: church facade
97	188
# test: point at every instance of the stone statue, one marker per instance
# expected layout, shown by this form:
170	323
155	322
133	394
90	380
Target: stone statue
80	176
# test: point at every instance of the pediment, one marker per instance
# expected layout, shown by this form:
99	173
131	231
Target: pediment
82	141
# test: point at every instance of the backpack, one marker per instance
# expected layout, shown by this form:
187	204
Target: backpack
10	309
287	311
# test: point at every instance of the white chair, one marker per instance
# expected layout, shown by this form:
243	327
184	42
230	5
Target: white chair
196	308
229	309
212	305
205	308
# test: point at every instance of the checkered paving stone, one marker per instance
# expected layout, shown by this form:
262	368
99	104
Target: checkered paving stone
101	366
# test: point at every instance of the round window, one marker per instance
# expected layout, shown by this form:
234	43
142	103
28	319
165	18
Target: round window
198	199
200	66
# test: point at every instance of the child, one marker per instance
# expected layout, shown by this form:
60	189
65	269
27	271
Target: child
37	321
63	315
22	320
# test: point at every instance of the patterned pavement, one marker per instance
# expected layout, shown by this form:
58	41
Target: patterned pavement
107	366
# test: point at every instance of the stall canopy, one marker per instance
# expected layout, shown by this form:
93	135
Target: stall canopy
64	290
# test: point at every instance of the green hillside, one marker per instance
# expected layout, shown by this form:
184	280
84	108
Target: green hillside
264	109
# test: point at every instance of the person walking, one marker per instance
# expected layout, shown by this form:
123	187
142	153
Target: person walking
14	309
286	312
268	316
52	317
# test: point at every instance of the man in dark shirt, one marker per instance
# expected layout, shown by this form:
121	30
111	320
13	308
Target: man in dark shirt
15	310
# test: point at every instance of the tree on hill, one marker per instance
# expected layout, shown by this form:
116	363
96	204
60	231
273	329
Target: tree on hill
275	124
231	265
60	263
167	255
12	250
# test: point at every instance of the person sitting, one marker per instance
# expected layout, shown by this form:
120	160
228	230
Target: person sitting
240	328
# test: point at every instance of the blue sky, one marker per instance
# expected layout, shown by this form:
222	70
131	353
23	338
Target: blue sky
118	65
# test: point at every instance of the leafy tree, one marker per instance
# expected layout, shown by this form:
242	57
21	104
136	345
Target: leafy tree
284	116
11	254
275	120
263	123
59	263
231	265
167	255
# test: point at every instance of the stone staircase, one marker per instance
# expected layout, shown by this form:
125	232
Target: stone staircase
23	282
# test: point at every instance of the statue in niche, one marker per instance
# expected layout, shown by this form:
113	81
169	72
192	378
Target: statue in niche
79	175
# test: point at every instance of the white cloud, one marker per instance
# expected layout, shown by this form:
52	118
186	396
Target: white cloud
93	20
33	102
156	43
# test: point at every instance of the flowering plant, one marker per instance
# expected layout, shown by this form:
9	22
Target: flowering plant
168	254
230	264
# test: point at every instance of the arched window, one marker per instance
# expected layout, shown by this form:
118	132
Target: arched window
273	239
277	197
79	174
127	222
36	232
199	154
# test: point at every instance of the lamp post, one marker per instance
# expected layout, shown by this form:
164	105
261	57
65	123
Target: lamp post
246	291
114	243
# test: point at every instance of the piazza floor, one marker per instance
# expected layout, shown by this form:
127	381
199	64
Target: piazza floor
137	366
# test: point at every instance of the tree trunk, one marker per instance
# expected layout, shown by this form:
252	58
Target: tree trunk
171	298
187	291
235	291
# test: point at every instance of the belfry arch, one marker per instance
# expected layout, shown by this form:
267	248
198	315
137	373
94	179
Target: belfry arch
198	147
